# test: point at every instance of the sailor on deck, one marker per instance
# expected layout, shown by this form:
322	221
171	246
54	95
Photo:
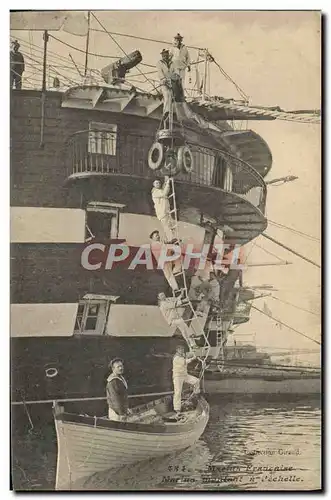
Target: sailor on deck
180	376
180	57
162	207
117	392
165	74
16	66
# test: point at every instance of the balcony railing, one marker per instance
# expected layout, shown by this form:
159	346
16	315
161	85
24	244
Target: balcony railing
104	152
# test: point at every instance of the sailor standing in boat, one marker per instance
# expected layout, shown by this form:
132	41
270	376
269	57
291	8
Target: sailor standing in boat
180	375
162	207
117	392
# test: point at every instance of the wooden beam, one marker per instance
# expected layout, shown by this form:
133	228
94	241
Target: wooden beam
96	97
126	101
153	107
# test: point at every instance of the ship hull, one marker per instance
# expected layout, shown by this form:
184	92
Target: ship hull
263	387
73	367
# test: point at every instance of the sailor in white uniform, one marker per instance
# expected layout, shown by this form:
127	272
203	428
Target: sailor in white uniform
165	73
180	57
160	197
180	375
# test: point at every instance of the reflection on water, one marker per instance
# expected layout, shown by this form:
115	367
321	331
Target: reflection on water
246	445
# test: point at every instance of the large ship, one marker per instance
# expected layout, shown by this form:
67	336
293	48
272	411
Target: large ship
83	162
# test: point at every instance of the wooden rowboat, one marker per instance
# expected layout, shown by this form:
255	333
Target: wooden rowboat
87	445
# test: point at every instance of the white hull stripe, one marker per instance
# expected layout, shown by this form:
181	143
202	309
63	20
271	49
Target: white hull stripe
54	320
67	225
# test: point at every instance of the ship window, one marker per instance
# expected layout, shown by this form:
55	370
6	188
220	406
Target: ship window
92	314
102	220
218	178
91	317
102	138
79	317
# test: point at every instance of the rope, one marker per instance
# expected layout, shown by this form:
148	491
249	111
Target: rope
228	77
55	70
50	53
287	326
94	54
268	252
146	39
293	305
309	236
290	250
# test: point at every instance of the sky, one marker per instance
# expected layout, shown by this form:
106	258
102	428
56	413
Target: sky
275	58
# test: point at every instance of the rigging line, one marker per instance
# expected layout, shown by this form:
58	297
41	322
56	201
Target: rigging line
287	326
92	53
290	250
50	53
146	39
240	90
293	230
252	248
49	65
119	46
55	70
70	69
29	80
270	253
293	305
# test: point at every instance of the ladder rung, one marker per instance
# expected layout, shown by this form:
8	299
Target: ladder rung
173	210
170	195
179	273
180	290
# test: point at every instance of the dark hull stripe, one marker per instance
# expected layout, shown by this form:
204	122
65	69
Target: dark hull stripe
52	273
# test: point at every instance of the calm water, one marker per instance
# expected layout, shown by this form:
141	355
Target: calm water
246	446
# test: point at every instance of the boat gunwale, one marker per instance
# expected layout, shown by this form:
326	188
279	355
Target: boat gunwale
136	427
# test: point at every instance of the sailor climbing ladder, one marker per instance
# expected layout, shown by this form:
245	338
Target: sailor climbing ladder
193	326
173	156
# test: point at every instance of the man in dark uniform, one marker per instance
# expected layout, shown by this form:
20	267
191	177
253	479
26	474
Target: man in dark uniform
16	66
117	392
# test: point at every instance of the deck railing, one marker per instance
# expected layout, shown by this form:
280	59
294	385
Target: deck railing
106	152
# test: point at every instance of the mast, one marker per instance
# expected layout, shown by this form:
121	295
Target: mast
205	71
43	90
87	41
